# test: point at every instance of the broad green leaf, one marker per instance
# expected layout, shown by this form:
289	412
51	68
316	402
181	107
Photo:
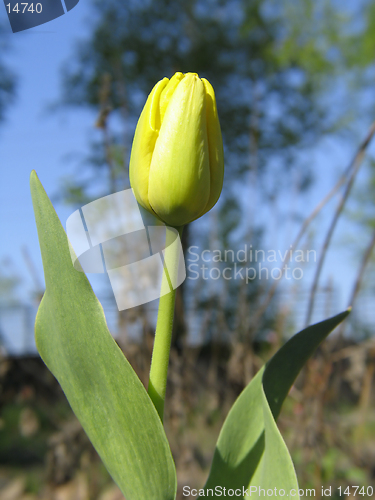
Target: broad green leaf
275	469
102	388
283	368
250	452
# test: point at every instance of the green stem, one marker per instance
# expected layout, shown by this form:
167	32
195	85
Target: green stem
160	355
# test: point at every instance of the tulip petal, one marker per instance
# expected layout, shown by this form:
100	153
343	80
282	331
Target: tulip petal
215	147
179	181
167	93
145	137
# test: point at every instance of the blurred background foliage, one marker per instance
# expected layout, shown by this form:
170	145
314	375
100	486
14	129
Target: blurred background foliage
273	65
7	79
286	73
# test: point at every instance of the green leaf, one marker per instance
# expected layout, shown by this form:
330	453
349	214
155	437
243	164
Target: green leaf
250	452
283	368
102	388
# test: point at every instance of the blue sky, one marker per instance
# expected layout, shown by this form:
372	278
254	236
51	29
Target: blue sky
34	138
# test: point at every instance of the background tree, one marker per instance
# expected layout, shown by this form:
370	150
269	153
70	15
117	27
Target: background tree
266	91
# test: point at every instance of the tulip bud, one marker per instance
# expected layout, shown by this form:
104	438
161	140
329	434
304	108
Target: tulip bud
177	160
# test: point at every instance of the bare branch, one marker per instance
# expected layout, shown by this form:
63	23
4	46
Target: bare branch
353	168
360	275
357	157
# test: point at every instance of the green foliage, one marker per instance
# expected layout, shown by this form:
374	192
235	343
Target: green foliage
103	390
250	450
113	407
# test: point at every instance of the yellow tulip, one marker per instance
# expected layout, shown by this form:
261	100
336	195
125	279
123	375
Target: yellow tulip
177	160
